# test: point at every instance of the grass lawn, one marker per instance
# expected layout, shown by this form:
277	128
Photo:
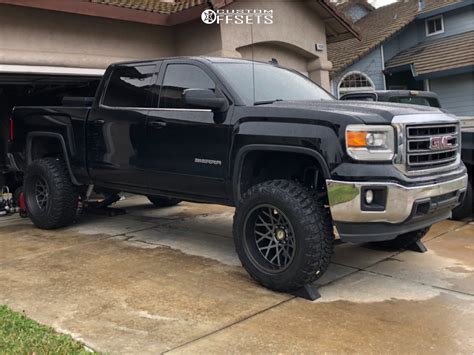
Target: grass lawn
21	335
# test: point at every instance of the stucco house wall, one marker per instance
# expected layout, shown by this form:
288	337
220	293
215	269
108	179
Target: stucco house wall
37	37
291	39
40	37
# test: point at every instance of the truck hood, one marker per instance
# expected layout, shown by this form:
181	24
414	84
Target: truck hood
367	112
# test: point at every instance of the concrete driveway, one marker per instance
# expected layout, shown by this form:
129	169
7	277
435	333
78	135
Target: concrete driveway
169	281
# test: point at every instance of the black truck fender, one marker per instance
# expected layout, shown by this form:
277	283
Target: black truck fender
241	154
29	146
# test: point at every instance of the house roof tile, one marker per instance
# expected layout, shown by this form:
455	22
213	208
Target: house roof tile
339	27
433	56
375	28
155	6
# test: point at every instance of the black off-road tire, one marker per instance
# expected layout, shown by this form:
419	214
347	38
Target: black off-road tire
161	201
403	240
60	207
465	209
313	234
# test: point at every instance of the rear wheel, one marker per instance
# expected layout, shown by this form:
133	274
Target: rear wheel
51	198
161	201
283	235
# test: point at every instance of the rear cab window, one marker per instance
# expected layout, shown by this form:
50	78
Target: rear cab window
179	77
418	100
131	86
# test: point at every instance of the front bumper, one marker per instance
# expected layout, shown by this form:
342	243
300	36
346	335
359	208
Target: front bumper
397	209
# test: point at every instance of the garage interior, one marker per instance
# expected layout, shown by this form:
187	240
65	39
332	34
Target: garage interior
35	89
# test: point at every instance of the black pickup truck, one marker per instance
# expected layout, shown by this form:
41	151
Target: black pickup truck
294	161
428	98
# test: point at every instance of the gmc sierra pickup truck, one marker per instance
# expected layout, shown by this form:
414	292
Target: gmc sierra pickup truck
294	161
428	98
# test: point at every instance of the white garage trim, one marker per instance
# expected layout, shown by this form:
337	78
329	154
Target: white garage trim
32	69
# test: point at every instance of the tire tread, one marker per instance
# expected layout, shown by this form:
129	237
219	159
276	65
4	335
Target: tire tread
64	198
319	239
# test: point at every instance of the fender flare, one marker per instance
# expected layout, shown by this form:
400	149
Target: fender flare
242	153
60	138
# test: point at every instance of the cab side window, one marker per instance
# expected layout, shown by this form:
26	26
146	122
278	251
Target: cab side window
130	86
179	77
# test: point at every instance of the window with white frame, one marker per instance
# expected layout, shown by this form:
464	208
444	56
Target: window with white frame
434	25
355	81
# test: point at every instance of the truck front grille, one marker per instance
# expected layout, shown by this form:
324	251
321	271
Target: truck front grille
431	146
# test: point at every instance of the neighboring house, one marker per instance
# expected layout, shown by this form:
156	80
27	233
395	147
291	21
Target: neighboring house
82	37
420	45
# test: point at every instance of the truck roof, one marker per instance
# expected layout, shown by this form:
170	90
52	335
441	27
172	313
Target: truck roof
198	58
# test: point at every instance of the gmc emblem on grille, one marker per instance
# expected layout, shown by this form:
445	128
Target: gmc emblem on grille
440	143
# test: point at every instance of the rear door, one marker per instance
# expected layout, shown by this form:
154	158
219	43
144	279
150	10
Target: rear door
187	147
116	127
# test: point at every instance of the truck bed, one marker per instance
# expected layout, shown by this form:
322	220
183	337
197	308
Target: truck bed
65	121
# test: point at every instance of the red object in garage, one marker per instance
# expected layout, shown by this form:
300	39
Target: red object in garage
23	212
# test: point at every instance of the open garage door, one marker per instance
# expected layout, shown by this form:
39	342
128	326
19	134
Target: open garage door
39	86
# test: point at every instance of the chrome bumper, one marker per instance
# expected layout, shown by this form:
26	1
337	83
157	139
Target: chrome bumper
345	199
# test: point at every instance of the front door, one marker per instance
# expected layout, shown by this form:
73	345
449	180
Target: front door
116	128
187	148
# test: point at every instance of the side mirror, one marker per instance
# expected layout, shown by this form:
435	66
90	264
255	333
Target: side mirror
204	98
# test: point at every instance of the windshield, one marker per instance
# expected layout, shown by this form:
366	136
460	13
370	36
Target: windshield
271	83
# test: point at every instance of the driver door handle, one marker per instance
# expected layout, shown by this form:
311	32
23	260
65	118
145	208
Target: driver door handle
157	124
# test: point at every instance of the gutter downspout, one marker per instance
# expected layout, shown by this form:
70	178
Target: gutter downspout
427	85
382	57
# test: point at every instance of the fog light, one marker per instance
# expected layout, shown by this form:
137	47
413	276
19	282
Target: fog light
369	196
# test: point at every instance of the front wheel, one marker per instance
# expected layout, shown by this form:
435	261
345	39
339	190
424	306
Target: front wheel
50	197
283	235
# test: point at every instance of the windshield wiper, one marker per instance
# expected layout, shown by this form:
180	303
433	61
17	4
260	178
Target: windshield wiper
267	102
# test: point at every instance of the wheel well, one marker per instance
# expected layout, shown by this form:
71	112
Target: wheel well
48	146
45	147
260	166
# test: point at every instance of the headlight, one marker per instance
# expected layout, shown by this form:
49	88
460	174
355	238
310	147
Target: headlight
370	142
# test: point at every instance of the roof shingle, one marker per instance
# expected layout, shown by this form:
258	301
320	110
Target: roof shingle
155	6
375	28
438	55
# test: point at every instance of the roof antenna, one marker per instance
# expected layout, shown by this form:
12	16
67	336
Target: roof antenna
253	62
273	61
